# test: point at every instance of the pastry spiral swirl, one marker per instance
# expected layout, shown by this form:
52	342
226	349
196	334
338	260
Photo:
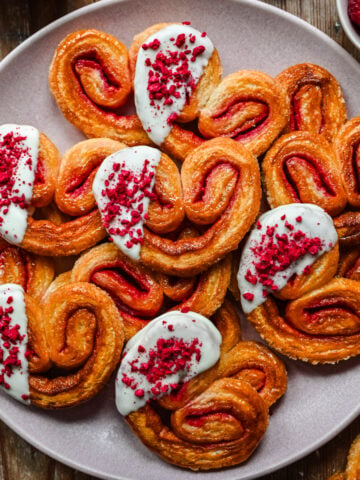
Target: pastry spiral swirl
245	360
322	326
217	418
301	167
347	150
33	273
316	99
221	191
76	341
248	106
90	80
51	234
140	295
219	428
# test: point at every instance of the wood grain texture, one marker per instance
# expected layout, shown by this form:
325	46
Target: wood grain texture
20	461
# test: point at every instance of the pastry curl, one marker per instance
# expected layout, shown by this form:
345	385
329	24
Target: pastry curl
41	230
322	326
322	271
54	235
78	168
219	428
46	172
316	99
217	418
140	295
76	345
44	237
301	167
33	273
347	150
352	469
90	80
221	191
180	142
245	360
248	106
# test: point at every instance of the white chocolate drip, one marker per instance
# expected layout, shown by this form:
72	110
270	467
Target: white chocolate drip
310	219
18	381
141	162
154	118
172	325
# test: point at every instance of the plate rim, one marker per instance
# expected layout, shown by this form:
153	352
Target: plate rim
101	4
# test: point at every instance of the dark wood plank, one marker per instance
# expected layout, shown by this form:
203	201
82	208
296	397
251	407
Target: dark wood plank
19	460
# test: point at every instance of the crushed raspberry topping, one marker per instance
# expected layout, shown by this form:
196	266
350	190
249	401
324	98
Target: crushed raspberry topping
124	191
169	356
163	356
286	241
169	75
10	342
275	252
12	150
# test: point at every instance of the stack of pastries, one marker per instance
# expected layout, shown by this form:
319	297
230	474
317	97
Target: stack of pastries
120	253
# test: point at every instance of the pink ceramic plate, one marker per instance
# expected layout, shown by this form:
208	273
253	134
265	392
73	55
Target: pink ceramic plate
320	400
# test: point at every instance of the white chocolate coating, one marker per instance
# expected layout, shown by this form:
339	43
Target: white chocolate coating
14	222
154	117
132	160
315	222
19	379
186	326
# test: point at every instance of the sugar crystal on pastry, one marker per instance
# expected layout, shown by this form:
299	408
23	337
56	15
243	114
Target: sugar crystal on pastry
123	188
13	342
171	350
285	241
19	146
169	65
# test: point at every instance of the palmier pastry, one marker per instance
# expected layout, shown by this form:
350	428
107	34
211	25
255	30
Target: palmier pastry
220	189
32	272
73	194
141	294
63	353
284	256
220	425
352	471
347	150
317	103
245	360
175	69
248	106
29	162
90	80
302	167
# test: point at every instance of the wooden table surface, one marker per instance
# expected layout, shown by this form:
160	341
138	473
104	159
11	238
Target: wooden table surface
19	460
